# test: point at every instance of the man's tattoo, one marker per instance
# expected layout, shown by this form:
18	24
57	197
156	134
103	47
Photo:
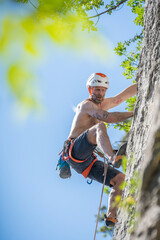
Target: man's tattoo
118	101
98	116
105	115
102	116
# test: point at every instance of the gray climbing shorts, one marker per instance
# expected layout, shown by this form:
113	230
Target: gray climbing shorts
83	150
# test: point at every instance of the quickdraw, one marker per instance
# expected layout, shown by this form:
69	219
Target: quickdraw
64	151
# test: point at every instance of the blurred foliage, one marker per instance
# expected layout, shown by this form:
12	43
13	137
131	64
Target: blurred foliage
124	126
26	27
130	51
124	164
21	82
61	21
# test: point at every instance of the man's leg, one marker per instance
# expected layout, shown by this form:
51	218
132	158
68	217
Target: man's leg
98	135
114	179
115	182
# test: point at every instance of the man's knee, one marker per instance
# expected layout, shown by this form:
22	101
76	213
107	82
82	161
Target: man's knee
117	180
92	132
121	177
101	127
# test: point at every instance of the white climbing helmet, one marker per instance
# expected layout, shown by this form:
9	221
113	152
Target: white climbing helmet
98	80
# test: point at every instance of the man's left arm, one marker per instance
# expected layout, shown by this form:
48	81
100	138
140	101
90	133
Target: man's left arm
123	96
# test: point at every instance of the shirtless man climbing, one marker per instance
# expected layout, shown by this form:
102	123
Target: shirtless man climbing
89	131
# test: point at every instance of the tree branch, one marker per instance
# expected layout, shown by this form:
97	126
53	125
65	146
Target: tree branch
32	4
123	1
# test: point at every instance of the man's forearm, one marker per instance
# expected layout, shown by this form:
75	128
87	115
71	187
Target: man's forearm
116	117
131	91
113	117
127	93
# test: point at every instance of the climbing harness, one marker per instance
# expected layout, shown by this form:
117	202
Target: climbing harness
87	170
66	154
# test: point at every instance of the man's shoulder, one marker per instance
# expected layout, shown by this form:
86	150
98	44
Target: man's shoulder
86	104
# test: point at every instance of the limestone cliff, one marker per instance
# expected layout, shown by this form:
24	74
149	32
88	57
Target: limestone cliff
143	148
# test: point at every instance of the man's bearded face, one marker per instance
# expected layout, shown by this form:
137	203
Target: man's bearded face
98	94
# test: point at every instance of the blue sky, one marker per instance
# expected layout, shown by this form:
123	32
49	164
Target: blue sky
35	203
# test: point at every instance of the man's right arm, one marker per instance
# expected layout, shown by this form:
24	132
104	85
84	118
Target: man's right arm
113	117
104	116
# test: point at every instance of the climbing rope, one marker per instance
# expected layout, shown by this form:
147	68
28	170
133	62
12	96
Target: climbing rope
105	174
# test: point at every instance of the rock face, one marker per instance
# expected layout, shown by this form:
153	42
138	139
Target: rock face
143	148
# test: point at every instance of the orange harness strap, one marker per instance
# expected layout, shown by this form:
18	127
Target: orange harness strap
70	155
87	170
